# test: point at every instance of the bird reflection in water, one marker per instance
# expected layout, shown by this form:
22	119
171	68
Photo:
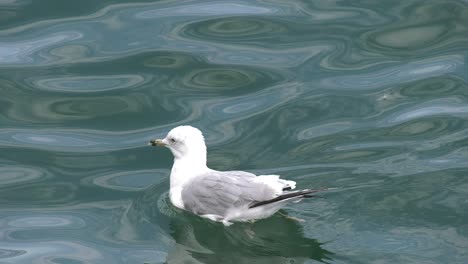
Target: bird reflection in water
278	239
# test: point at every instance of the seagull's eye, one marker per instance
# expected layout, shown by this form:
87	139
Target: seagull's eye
172	140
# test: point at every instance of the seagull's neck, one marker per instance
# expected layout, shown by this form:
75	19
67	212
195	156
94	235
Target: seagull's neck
188	164
186	168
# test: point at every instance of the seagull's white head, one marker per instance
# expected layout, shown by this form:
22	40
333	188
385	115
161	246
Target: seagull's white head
184	142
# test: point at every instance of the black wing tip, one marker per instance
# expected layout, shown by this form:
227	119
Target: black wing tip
301	193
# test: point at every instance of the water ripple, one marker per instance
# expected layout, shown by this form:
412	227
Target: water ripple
73	140
15	175
59	252
429	27
370	97
417	70
206	9
23	52
411	37
433	87
128	180
58	193
235	28
79	84
45	222
221	78
54	109
8	253
445	106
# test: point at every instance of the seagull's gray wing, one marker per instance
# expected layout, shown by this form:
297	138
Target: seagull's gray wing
216	192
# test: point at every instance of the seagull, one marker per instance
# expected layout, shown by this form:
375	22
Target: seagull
221	196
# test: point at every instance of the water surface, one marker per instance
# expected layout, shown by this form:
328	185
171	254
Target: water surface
368	97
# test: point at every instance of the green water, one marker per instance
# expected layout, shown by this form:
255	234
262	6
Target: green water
370	97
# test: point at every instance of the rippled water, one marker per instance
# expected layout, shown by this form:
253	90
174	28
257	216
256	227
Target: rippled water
366	96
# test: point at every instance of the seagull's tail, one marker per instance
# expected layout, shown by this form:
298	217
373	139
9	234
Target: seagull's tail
274	181
287	185
289	195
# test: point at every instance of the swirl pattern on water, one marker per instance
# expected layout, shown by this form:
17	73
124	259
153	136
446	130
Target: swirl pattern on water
220	78
14	175
21	52
88	84
235	28
367	97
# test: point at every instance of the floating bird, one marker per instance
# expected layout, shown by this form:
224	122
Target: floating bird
222	196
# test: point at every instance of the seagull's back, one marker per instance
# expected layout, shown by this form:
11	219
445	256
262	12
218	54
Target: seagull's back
227	196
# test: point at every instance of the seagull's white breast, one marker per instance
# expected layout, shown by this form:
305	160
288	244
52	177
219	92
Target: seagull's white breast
175	194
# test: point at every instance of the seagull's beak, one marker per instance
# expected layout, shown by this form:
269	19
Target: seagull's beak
157	142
